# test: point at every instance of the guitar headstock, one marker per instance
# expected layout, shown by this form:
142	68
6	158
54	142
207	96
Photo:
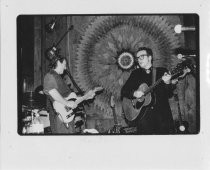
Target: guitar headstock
180	70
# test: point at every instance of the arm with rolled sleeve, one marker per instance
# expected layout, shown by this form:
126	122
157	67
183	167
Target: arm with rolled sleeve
51	89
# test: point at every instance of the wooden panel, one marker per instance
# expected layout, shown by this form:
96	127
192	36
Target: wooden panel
37	52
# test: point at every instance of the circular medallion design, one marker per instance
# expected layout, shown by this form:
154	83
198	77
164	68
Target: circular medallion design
105	54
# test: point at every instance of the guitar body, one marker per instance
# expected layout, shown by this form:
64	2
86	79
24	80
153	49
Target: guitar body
136	107
65	114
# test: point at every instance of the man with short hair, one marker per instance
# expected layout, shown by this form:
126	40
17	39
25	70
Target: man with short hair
158	117
57	90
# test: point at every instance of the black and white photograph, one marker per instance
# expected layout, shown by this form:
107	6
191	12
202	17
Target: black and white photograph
105	85
108	74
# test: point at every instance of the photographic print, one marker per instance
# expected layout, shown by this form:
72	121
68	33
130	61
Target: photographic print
108	74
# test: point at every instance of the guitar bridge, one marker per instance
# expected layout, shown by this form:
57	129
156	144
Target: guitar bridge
68	116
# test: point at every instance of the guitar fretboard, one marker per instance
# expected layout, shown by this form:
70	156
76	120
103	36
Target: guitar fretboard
153	86
173	74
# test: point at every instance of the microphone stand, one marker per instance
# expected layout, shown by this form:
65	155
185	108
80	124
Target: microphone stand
74	83
52	51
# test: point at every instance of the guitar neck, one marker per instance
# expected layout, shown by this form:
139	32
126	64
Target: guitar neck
153	86
81	99
85	97
158	82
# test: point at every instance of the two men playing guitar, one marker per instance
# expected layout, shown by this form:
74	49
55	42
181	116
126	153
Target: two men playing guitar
145	96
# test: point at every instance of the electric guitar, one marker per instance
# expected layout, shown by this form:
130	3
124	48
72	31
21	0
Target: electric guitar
66	114
137	107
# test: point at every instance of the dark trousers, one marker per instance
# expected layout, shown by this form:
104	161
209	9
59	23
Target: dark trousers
58	127
154	123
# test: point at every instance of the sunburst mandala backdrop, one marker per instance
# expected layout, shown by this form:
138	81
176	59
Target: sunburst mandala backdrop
105	55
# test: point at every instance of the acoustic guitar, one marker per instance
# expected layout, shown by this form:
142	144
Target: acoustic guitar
138	107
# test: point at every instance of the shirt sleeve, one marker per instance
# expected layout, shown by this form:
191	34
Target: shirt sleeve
166	88
130	86
49	83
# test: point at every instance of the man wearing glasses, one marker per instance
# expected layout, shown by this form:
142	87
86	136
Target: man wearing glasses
157	118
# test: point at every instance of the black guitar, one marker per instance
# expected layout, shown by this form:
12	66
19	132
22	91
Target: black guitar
137	107
180	125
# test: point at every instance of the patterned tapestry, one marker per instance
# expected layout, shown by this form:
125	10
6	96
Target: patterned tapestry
105	53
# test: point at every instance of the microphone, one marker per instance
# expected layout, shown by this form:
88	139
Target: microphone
181	56
50	26
179	28
185	53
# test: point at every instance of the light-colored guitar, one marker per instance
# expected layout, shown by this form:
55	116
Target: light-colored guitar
66	114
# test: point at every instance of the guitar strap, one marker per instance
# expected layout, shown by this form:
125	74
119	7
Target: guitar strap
154	71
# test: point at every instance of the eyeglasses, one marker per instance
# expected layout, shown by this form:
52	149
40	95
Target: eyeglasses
141	57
